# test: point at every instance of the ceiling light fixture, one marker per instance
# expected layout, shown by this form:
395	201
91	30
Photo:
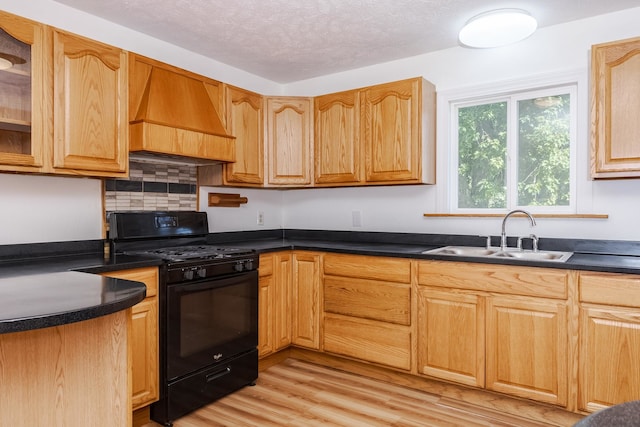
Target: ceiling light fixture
497	28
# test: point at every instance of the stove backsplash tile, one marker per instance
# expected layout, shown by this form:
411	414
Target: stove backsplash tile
153	186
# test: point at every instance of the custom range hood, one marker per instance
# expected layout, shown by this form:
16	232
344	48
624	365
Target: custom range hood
174	115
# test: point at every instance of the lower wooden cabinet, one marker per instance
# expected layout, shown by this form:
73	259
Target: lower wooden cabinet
282	282
144	337
367	308
516	343
527	343
451	335
266	306
274	302
518	330
608	371
306	300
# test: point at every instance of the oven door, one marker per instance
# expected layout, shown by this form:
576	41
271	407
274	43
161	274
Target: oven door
210	321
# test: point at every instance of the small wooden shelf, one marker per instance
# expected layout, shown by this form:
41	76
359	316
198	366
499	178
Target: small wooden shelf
226	200
15	125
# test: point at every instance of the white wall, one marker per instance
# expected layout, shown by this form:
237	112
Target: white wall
558	49
244	218
37	209
53	209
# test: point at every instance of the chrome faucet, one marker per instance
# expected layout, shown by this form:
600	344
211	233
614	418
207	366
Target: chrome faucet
503	236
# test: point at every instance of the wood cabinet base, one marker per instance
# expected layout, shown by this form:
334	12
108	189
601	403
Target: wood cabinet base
69	375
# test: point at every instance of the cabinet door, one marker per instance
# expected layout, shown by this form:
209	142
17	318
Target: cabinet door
337	138
615	106
25	96
527	343
451	336
390	117
266	316
144	342
306	300
266	306
609	355
245	112
90	108
289	141
282	299
144	337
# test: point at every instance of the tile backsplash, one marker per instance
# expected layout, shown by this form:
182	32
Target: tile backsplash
153	186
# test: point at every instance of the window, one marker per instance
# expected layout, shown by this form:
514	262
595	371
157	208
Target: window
515	151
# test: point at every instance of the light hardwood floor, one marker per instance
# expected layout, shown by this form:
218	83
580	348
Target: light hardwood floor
299	393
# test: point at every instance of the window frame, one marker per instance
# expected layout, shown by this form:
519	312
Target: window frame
573	83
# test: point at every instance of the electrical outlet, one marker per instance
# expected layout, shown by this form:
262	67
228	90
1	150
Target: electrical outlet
356	218
260	219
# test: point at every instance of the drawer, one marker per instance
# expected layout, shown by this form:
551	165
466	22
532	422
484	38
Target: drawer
146	275
504	279
368	267
265	267
368	299
368	340
610	288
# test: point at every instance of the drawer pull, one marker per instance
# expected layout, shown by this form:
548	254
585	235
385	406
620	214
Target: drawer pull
214	376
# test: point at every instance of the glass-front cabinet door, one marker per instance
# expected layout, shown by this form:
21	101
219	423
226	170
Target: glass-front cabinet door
24	99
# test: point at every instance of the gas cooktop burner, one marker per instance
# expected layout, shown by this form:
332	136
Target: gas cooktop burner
196	252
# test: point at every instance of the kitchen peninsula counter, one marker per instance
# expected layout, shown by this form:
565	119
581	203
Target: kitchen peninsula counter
65	349
49	291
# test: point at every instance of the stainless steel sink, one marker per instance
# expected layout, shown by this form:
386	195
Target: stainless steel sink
536	256
462	251
527	255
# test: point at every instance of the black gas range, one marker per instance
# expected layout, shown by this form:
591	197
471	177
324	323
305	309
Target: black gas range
208	307
185	263
178	238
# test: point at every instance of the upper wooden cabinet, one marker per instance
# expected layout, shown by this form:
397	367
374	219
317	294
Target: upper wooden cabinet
615	106
63	105
289	130
25	96
90	105
397	122
245	121
337	139
377	135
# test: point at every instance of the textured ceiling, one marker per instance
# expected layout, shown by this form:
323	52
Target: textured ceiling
285	41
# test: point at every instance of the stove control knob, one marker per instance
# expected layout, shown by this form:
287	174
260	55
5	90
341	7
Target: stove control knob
202	273
248	265
238	266
187	274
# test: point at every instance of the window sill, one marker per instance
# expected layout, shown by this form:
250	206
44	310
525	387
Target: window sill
496	215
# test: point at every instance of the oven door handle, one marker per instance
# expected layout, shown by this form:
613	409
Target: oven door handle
214	282
215	375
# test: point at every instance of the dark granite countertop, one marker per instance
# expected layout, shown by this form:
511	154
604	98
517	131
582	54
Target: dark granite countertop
591	255
50	284
45	290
